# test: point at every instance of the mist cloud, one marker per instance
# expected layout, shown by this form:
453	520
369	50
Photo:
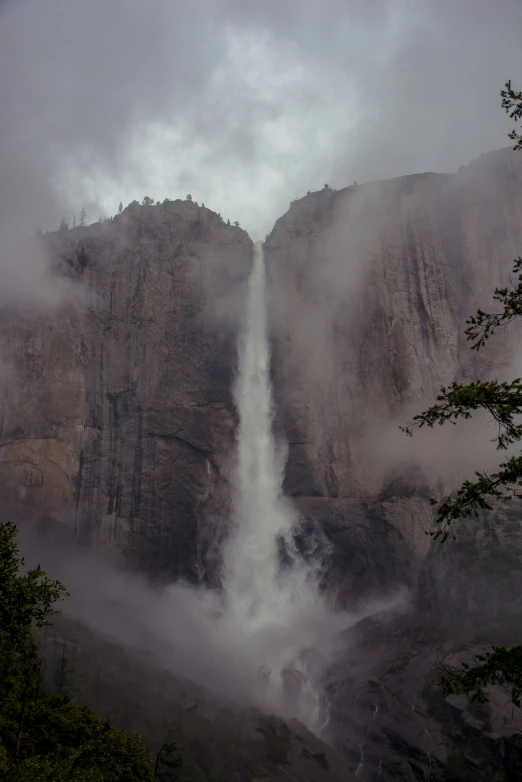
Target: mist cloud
244	104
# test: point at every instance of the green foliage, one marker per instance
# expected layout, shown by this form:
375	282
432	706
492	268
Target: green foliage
471	496
512	103
104	755
483	324
24	599
502	400
46	736
70	742
499	666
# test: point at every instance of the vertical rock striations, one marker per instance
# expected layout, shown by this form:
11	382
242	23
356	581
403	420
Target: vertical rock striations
118	414
371	287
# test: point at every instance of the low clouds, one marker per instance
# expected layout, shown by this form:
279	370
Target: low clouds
244	104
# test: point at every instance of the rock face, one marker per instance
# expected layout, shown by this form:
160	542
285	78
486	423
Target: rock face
117	417
390	718
119	411
371	287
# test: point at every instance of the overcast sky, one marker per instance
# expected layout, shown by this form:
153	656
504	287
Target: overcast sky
246	104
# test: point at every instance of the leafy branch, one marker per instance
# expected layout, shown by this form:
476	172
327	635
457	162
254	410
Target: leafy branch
512	103
484	324
471	497
24	599
503	401
500	666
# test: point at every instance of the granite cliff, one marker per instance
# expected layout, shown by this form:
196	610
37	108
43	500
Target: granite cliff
371	287
117	413
117	419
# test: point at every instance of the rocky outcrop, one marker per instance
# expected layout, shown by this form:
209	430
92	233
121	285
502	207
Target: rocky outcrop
118	414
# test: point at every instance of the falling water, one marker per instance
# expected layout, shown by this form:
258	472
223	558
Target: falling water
272	595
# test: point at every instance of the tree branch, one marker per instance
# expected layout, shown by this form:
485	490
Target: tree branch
484	324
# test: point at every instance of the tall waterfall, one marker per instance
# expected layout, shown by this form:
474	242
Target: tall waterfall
271	594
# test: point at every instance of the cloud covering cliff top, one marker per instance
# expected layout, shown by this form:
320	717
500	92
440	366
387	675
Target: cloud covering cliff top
245	104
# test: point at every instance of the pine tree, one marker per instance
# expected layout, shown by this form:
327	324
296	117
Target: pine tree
120	208
83	216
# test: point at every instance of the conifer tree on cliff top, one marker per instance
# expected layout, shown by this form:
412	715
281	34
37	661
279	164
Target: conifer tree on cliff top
503	402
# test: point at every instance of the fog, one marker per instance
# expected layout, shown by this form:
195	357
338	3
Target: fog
245	105
183	629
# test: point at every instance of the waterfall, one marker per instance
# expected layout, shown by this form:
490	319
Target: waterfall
272	596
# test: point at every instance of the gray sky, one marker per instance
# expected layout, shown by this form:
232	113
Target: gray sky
246	104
